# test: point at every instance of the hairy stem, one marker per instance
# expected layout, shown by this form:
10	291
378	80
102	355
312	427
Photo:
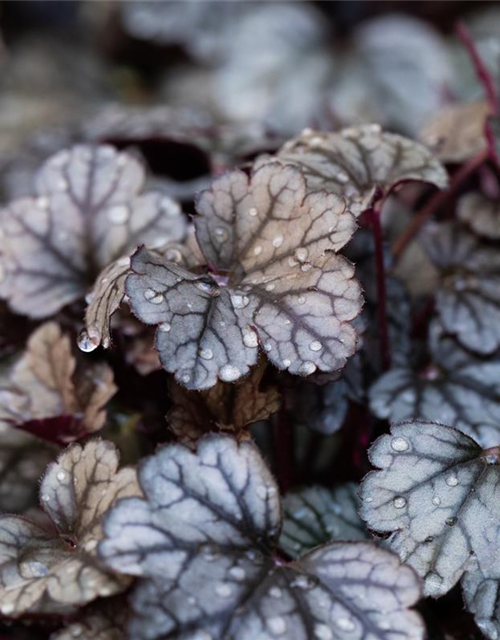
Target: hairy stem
438	199
373	214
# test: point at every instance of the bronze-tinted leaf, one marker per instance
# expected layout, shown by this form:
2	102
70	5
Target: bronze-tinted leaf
358	161
88	211
48	382
481	213
46	571
456	133
269	283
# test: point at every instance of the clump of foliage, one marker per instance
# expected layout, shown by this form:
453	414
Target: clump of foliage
261	402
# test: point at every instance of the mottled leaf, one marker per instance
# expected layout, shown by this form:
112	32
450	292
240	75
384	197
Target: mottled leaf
45	571
229	408
316	515
481	214
88	211
482	598
205	536
358	161
456	133
284	288
435	492
451	387
468	300
49	382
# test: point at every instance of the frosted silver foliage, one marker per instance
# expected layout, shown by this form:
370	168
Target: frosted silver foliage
435	491
481	214
46	571
205	537
453	388
276	282
468	300
482	598
88	211
358	161
317	515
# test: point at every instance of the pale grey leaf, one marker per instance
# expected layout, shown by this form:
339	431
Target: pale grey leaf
468	300
357	161
205	536
317	515
481	214
46	571
88	211
453	388
201	326
435	491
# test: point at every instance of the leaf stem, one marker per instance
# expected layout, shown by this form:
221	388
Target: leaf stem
373	215
433	204
481	70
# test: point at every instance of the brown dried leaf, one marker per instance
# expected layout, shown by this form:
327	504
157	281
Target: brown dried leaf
275	280
456	133
229	408
358	161
47	382
44	572
87	213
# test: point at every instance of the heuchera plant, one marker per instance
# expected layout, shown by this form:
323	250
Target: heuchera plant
331	305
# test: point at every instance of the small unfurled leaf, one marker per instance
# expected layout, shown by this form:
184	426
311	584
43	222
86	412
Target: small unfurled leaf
207	532
48	382
456	133
44	571
88	211
229	408
273	280
316	515
435	491
360	161
452	387
481	214
468	300
102	620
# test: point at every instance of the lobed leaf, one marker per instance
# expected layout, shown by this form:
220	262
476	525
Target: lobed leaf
48	382
317	515
88	211
468	300
47	571
435	492
454	388
205	535
357	162
285	289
